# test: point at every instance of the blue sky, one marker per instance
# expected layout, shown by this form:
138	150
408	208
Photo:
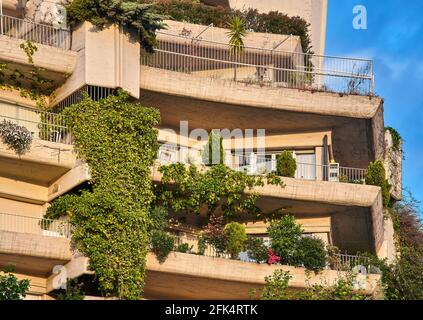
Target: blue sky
394	40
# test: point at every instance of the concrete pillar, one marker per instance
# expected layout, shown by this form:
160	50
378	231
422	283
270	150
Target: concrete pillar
108	58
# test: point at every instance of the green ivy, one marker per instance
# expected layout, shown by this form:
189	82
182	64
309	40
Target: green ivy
187	189
396	138
112	222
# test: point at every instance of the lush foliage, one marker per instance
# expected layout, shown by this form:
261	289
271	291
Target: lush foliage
396	138
16	137
376	176
272	22
235	238
112	222
72	292
190	190
294	249
403	278
342	289
256	249
213	152
276	286
286	164
311	253
162	244
11	288
134	15
285	234
62	206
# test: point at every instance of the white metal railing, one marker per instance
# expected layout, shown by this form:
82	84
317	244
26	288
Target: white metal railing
36	32
348	262
42	125
31	225
339	262
265	66
259	165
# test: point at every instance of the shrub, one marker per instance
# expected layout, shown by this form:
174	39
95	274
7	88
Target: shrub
310	253
376	176
285	234
16	137
286	165
215	235
11	288
235	238
162	244
158	216
256	249
184	248
276	286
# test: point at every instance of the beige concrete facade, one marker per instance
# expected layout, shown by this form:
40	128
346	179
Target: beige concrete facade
351	126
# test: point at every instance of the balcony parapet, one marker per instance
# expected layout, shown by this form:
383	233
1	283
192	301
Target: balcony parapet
268	67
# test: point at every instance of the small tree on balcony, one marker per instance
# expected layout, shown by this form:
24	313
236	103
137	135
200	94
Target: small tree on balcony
237	32
286	165
213	152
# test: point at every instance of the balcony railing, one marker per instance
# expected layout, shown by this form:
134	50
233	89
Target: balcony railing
338	262
42	125
36	32
263	66
38	226
260	165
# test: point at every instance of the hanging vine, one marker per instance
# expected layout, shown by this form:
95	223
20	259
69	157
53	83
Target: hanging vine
117	139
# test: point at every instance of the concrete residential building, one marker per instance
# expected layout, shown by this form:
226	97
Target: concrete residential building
328	118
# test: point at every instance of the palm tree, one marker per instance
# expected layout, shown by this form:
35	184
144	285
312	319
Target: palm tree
237	32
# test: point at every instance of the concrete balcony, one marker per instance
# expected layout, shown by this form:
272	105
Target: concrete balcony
191	276
188	276
354	211
51	153
33	245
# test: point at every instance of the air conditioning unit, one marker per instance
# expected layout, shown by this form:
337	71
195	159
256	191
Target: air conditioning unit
334	172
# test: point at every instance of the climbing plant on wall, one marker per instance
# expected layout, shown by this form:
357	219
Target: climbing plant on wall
118	141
